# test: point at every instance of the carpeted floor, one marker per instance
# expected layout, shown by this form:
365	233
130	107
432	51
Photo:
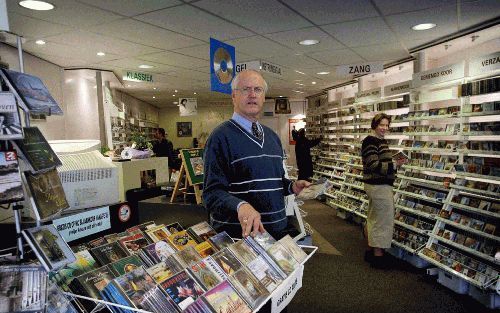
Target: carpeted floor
337	279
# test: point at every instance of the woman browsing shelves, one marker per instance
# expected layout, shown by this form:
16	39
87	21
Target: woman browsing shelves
378	176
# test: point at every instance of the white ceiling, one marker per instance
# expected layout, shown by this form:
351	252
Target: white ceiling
173	36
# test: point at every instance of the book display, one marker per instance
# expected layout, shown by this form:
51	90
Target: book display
447	195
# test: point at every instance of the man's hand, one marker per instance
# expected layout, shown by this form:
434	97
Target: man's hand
250	220
299	185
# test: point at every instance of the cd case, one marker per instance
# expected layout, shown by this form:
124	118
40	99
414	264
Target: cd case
315	189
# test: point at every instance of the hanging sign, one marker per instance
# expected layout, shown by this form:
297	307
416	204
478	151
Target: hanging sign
360	69
222	61
397	89
83	224
370	94
251	65
484	64
287	290
137	77
439	75
271	68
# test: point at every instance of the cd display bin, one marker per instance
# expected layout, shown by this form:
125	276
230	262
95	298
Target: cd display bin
279	298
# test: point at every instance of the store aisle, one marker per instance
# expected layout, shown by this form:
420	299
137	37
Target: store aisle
345	283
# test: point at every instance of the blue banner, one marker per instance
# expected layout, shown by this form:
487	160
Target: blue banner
222	63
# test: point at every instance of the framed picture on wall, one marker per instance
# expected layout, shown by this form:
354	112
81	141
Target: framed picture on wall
184	129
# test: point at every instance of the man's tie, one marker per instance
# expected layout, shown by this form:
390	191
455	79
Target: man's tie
255	131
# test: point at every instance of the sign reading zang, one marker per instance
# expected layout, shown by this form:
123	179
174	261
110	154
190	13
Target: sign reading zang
439	75
360	69
137	77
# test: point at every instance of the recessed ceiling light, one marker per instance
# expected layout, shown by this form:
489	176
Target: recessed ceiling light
175	90
308	42
300	84
36	5
101	54
281	96
173	95
323	73
145	66
300	72
298	91
154	97
154	88
424	26
40	42
194	93
314	83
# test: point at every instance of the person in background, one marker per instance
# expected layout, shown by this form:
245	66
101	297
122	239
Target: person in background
244	183
303	154
378	176
164	148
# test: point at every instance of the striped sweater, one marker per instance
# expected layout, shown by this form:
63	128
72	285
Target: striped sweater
378	168
239	167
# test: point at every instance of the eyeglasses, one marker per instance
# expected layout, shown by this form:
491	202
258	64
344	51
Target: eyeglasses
246	91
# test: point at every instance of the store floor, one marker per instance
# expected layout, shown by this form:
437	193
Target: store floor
337	279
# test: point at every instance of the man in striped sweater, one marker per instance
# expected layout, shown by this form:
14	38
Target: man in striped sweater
244	179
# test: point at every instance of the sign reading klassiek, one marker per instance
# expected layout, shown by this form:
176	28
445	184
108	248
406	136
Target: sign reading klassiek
137	77
360	69
83	224
439	75
397	89
287	290
484	64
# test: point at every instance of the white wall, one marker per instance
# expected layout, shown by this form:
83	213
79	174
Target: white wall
52	76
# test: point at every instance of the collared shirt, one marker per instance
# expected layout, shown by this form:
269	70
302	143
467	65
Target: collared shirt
243	122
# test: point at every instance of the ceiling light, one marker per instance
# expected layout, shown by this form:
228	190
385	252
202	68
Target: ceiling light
36	5
424	26
194	93
145	66
308	42
154	88
300	84
314	83
175	90
101	54
175	102
300	72
323	73
281	96
154	97
173	95
40	42
298	91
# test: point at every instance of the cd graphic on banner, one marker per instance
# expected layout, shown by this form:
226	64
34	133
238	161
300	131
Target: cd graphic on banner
223	65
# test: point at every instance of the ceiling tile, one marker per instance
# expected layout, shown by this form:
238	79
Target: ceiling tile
200	52
133	64
336	57
475	12
333	11
131	7
292	37
35	28
62	61
384	52
259	46
266	16
175	59
94	42
444	17
193	22
293	60
367	32
388	7
145	34
66	12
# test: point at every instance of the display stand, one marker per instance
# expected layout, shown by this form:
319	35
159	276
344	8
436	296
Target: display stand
279	298
190	174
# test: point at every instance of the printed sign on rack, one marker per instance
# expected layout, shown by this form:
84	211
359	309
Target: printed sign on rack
271	68
287	290
370	94
83	224
484	64
439	75
360	69
397	89
250	65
